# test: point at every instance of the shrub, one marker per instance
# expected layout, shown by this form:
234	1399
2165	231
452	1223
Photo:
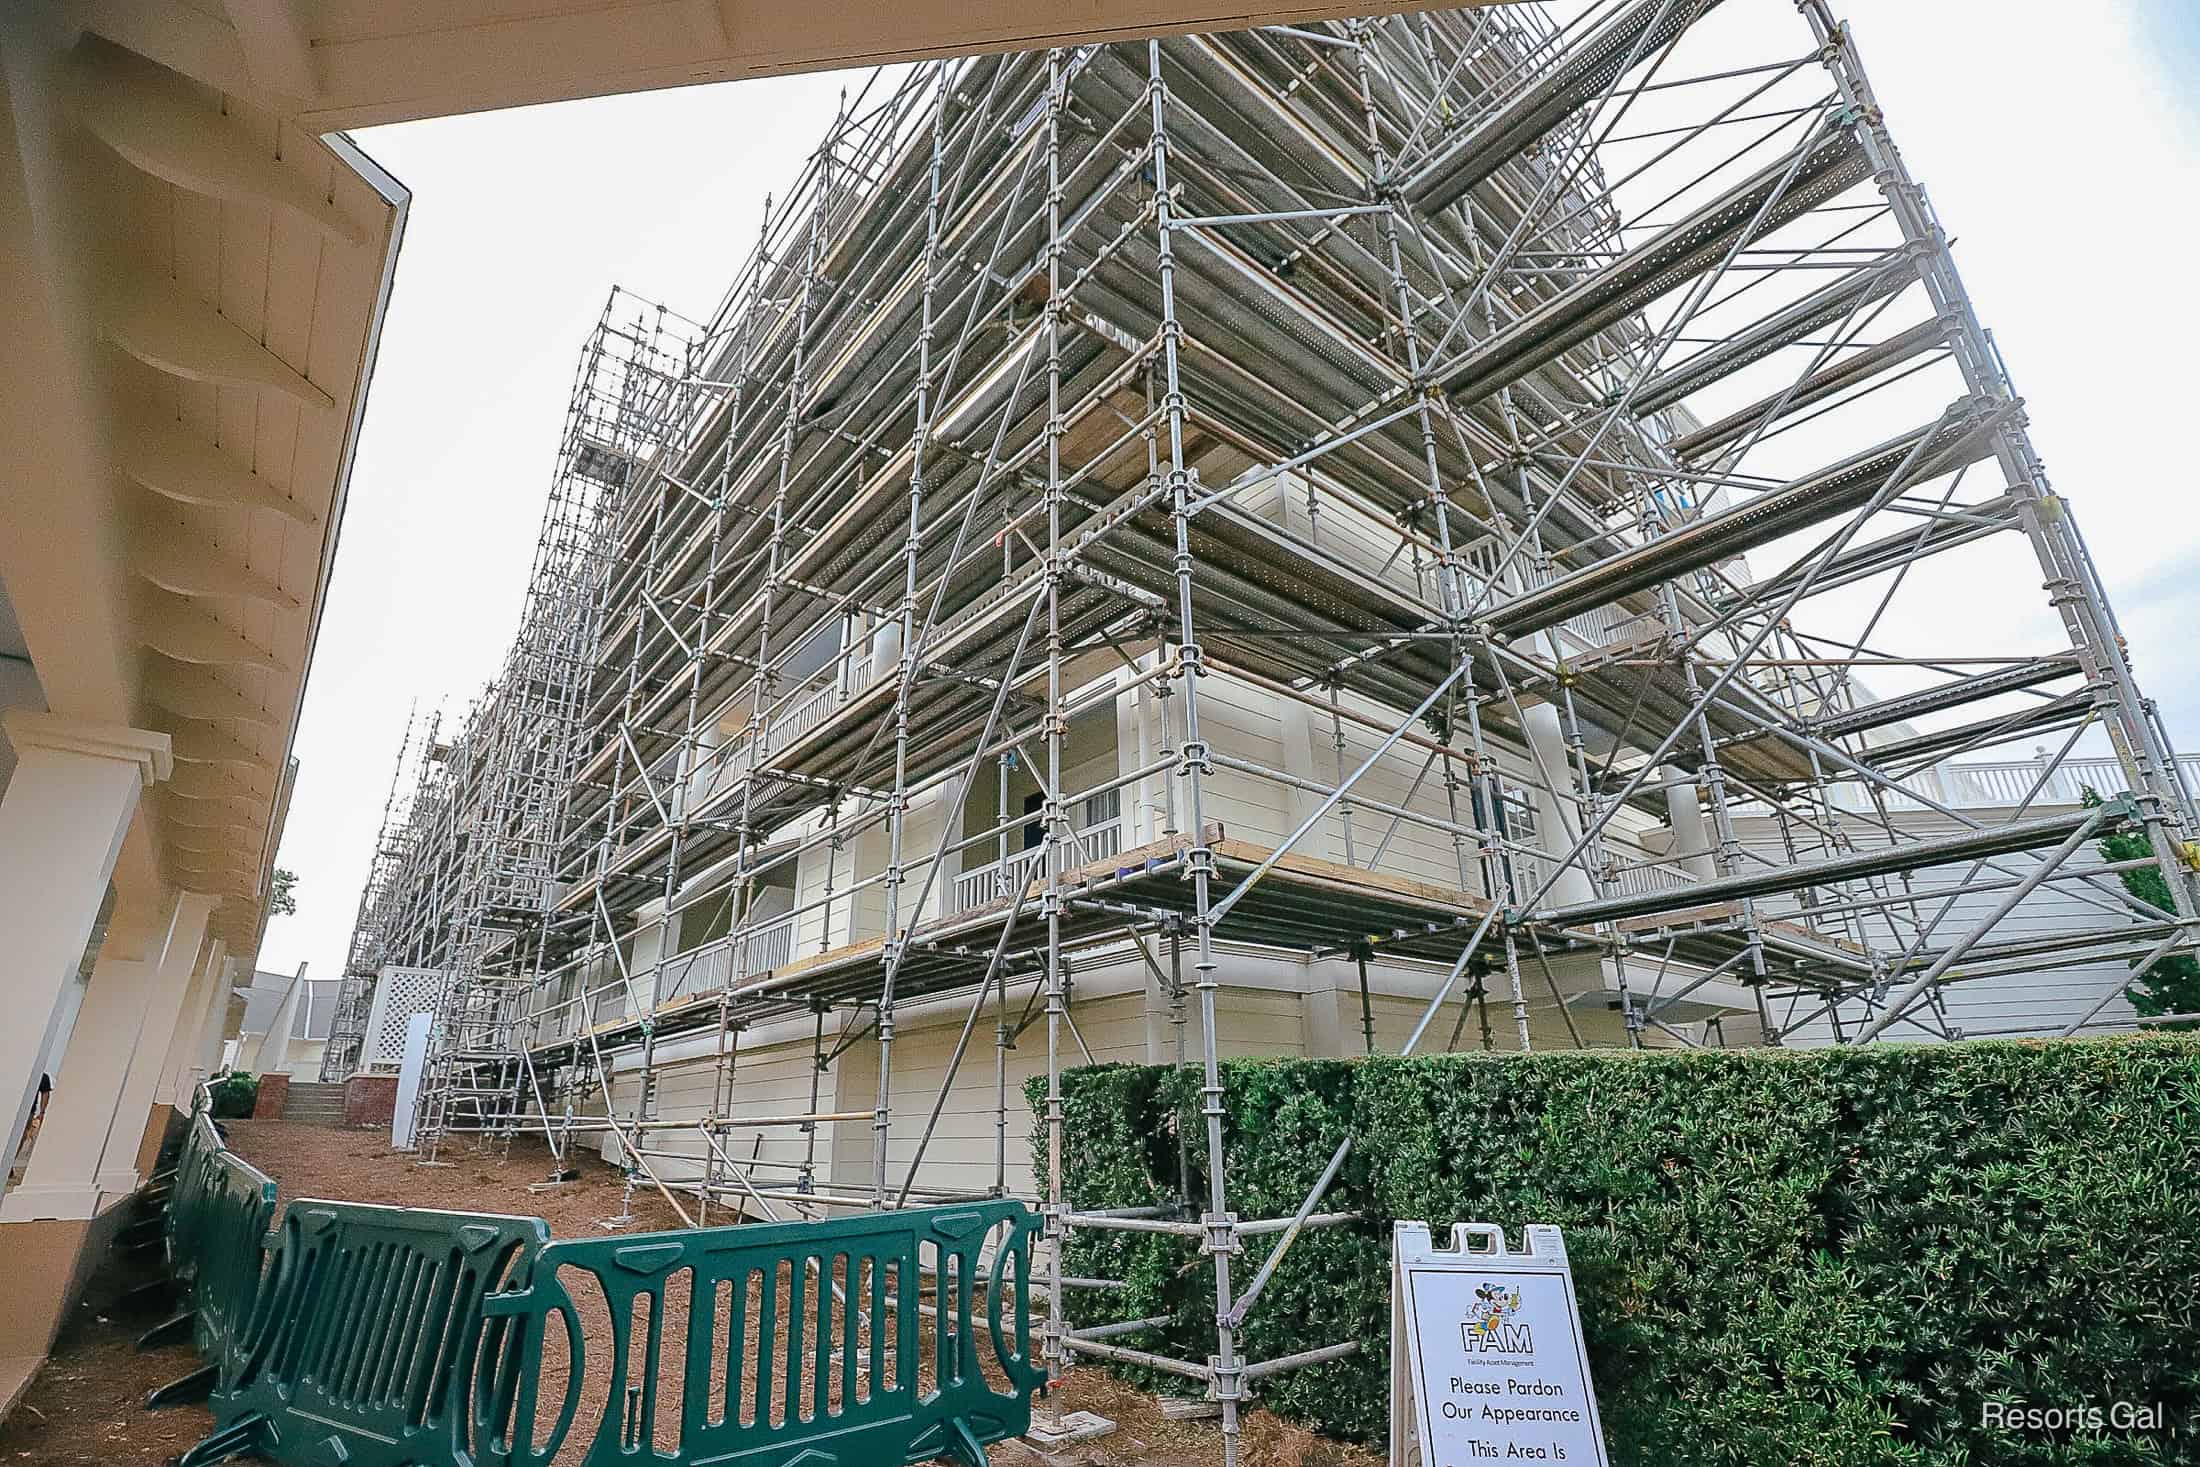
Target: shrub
2172	985
1829	1257
232	1096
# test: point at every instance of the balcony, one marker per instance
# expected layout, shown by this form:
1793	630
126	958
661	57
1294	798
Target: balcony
1096	834
603	996
1626	878
714	965
1643	877
2002	784
1485	562
802	708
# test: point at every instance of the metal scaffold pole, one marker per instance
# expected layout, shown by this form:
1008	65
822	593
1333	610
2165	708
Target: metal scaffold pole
898	920
1220	1238
1053	1339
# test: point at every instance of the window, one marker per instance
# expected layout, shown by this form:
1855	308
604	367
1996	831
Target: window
1519	817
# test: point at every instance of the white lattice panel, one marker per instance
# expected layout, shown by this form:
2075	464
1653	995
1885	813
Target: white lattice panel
398	994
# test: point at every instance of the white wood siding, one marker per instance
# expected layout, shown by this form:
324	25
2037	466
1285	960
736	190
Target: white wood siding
2036	1003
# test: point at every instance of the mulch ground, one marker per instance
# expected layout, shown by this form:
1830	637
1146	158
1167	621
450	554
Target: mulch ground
87	1407
358	1166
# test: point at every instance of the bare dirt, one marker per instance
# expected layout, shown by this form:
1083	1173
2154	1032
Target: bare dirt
86	1408
358	1166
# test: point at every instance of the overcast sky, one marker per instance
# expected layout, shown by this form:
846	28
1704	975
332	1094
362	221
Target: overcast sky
2060	155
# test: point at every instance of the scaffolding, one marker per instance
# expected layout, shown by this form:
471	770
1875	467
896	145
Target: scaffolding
1578	409
390	879
466	857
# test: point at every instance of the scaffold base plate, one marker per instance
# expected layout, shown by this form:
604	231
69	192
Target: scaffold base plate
1068	1429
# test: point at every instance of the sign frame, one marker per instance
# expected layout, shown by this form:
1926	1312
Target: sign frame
1478	1252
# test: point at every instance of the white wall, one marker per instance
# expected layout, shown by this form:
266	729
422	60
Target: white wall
2021	1004
1268	1005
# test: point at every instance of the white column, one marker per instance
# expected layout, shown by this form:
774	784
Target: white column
174	1087
58	1029
61	1180
1295	743
885	649
1323	1017
1548	740
1129	754
939	902
1684	815
1153	792
206	1056
164	1003
67	808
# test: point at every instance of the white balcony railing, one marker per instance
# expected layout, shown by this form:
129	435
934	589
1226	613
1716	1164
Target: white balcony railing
770	946
810	704
1649	876
2004	783
794	714
704	969
1097	834
1598	627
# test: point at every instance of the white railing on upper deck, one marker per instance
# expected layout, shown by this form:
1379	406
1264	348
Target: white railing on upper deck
810	704
2003	783
794	714
715	964
1096	834
1598	627
1648	876
599	994
769	946
1627	879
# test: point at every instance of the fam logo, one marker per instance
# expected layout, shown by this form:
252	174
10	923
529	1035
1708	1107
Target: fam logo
1489	1326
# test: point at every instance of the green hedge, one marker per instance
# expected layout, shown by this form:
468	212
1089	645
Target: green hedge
232	1096
1830	1257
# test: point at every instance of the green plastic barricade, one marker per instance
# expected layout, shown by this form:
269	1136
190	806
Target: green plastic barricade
365	1343
185	1211
401	1337
214	1232
883	1338
234	1209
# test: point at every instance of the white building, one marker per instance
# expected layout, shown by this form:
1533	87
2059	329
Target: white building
1019	617
285	1025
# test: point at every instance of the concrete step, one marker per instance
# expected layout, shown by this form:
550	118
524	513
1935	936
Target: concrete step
315	1105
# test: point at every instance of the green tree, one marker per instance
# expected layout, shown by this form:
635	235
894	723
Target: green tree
282	900
2171	986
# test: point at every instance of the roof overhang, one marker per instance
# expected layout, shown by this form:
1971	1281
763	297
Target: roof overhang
185	390
352	63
